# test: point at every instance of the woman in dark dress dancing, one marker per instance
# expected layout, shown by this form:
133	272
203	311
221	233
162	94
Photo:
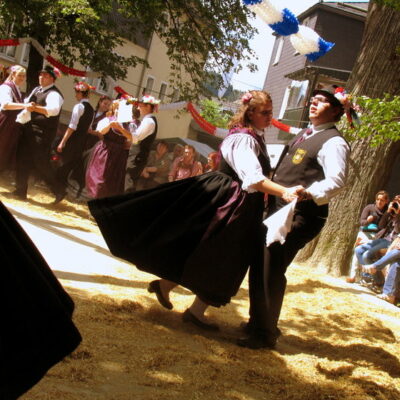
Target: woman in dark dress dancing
36	329
202	232
105	174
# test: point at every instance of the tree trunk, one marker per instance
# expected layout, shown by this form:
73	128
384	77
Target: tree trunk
34	66
376	72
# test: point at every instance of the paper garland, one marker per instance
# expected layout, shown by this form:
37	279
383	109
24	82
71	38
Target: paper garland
282	21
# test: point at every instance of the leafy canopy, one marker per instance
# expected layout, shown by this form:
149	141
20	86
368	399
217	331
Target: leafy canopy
201	36
212	112
380	120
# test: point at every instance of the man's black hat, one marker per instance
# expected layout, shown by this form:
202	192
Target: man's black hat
333	100
49	69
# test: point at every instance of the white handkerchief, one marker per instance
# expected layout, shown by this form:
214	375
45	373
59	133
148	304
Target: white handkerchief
124	112
24	116
279	224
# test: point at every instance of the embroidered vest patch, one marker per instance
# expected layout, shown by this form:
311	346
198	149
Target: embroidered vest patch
299	156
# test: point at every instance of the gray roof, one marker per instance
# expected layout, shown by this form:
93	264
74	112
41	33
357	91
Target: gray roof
310	71
355	10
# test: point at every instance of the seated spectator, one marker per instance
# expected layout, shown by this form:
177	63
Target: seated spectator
391	288
390	228
392	258
376	268
156	171
212	162
369	223
185	166
176	152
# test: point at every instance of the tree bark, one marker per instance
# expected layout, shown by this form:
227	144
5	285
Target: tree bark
376	72
34	66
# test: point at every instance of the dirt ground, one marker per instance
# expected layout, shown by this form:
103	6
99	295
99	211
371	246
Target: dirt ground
339	341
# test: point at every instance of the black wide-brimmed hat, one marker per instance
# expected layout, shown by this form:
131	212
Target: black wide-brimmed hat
53	71
333	100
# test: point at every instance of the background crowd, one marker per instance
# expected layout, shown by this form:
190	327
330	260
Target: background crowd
376	260
98	155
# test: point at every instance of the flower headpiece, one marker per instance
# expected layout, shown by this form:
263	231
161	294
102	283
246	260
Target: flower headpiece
148	99
129	99
246	98
349	107
83	87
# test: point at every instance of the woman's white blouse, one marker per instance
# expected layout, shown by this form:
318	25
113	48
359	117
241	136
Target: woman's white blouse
240	151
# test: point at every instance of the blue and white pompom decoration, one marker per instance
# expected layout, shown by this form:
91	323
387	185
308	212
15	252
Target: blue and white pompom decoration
307	42
282	21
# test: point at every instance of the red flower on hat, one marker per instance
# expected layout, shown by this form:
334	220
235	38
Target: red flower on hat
83	87
246	98
57	72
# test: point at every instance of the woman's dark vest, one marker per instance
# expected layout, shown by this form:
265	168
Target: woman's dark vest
84	123
76	143
16	98
145	146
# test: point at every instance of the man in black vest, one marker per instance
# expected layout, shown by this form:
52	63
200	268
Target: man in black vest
144	135
74	140
316	159
34	145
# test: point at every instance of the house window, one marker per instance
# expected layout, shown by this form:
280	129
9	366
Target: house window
25	54
284	103
8	51
103	87
149	85
279	50
175	95
163	89
298	90
294	98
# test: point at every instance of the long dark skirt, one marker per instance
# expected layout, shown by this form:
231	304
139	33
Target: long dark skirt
36	327
105	174
199	232
9	135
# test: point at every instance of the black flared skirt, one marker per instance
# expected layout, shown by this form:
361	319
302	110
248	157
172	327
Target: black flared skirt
199	232
36	327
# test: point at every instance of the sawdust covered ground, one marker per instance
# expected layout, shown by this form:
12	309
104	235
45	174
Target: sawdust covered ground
339	341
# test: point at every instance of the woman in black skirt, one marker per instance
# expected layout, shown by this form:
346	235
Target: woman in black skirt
205	231
36	329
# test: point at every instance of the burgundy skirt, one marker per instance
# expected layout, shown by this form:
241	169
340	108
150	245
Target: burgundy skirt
105	173
9	135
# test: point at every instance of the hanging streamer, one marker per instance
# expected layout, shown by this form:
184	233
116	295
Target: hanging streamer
207	126
9	42
39	48
282	21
